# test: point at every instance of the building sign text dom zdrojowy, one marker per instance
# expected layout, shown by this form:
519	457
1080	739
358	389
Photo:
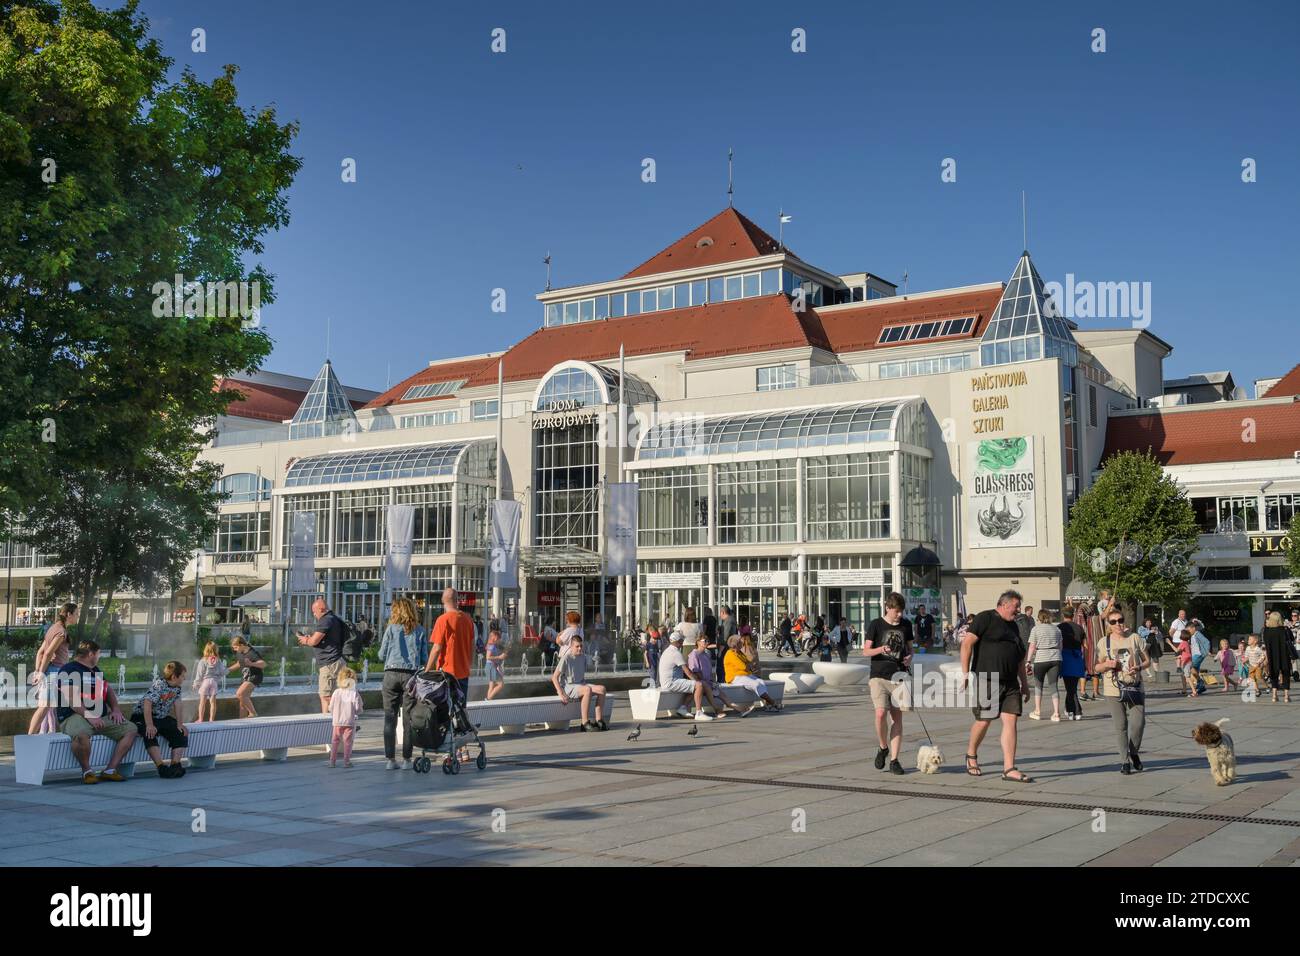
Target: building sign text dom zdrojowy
563	414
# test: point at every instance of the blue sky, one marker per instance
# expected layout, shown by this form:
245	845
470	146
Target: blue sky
472	165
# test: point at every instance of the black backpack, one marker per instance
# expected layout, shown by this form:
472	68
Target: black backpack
355	644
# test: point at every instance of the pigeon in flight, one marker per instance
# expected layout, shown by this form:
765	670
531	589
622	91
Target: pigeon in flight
636	734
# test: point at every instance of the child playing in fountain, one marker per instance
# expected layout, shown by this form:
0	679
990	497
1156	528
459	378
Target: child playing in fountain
207	678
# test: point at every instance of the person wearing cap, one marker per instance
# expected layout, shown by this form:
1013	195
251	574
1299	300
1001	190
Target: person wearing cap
674	675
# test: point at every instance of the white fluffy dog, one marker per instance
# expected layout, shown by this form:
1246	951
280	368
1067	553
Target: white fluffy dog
1219	750
928	758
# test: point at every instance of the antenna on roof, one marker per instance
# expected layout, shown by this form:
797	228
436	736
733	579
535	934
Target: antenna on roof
547	260
782	220
327	338
731	184
904	280
1024	221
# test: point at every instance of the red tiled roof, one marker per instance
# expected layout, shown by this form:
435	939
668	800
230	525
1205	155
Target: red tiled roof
734	237
853	330
268	403
442	372
1214	433
726	328
1288	384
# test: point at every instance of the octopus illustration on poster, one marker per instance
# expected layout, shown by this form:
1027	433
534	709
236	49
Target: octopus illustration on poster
1002	501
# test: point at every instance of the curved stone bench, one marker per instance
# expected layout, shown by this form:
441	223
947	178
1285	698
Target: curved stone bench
841	675
799	683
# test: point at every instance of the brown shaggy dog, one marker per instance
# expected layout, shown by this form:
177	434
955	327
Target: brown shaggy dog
1219	750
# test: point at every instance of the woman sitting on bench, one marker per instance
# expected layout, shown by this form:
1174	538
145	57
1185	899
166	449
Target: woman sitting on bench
743	670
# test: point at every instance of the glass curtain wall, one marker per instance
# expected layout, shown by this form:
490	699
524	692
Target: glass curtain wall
847	497
756	502
673	507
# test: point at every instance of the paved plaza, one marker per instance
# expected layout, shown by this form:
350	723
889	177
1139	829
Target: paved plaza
733	795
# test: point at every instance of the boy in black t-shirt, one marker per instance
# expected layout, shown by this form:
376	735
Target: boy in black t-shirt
888	642
992	652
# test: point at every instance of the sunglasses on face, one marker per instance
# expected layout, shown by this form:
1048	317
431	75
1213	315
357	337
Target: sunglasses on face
1118	620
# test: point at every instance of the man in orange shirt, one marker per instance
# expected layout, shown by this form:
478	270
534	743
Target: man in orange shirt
452	644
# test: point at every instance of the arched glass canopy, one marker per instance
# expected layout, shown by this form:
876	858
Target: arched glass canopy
828	427
588	384
475	458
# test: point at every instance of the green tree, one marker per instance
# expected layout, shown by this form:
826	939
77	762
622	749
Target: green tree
114	179
1133	532
1292	552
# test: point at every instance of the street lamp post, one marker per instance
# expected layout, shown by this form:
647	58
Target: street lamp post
198	591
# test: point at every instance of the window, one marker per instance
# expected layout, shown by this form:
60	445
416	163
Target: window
570	313
847	497
1207	514
240	537
473	504
914	490
552	314
483	409
771	281
715	289
566	485
1238	515
359	522
1279	511
926	330
570	385
734	287
1222	573
318	504
432	526
756	502
243	487
699	294
429	418
616	306
927	366
673	509
771	378
432	389
1092	406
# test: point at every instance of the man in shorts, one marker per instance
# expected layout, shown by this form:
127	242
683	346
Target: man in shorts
888	642
992	653
675	677
91	711
327	644
570	680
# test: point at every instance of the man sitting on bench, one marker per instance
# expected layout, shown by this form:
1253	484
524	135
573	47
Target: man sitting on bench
88	708
675	676
570	680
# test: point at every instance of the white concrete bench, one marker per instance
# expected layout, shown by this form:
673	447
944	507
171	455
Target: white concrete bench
37	755
513	715
649	702
841	675
798	682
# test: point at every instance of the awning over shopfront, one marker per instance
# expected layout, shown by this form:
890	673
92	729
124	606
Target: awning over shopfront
258	597
834	426
559	560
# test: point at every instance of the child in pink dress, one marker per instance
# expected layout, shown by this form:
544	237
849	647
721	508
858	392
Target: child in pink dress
1228	663
345	707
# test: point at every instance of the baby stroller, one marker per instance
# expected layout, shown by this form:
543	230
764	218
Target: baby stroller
438	718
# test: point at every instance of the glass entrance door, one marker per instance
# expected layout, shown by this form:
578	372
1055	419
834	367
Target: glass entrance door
359	607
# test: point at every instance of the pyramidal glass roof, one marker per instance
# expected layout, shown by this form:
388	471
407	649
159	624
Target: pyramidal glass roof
1026	324
325	410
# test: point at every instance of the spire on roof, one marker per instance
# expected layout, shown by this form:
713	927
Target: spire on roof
325	410
1026	325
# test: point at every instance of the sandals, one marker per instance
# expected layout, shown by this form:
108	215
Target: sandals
975	770
1023	778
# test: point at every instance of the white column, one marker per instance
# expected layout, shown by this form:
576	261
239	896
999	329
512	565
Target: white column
801	567
713	584
800	501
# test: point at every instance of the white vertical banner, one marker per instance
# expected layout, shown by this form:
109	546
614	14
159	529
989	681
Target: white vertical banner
302	553
401	530
503	566
620	528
